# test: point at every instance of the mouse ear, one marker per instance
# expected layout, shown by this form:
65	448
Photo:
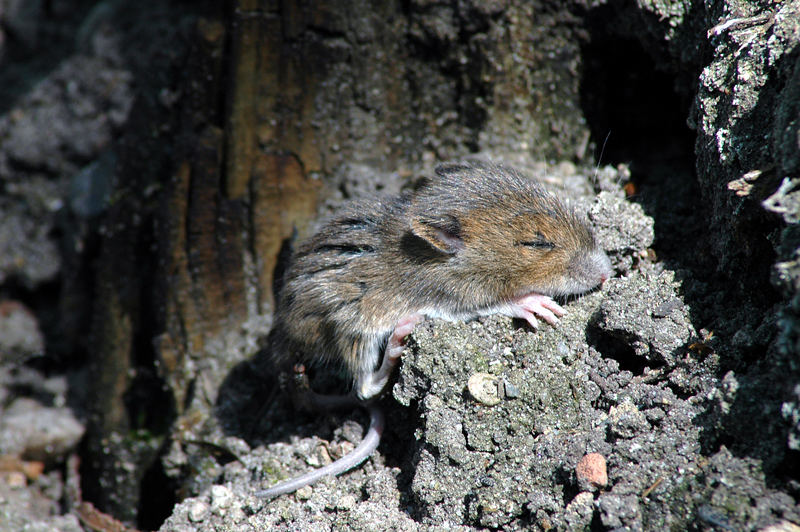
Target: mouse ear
442	233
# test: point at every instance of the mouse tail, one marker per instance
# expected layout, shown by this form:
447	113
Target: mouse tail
363	451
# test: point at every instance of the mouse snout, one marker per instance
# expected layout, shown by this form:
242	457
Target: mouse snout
602	265
591	269
605	269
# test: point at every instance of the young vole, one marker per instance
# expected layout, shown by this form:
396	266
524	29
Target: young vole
475	240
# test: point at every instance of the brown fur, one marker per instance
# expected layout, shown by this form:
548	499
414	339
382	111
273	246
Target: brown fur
475	236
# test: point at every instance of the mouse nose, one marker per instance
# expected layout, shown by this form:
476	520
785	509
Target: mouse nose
602	265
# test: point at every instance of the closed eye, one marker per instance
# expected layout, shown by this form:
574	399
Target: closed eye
538	243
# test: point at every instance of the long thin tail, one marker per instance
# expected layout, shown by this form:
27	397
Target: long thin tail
367	446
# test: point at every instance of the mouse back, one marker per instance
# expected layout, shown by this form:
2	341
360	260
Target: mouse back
324	312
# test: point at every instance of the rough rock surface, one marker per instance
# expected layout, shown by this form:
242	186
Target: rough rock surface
616	377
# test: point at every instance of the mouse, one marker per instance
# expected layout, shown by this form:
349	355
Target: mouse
475	239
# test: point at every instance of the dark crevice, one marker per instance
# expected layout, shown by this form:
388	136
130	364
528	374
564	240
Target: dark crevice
637	111
634	114
565	477
158	496
148	399
680	391
618	348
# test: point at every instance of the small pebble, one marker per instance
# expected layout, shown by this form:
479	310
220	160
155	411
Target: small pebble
580	510
592	472
346	502
319	457
221	497
304	493
483	388
626	420
198	510
338	450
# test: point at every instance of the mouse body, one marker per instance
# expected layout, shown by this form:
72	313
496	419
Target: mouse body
475	239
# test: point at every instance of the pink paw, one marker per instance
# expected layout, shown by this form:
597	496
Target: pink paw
530	306
404	327
371	383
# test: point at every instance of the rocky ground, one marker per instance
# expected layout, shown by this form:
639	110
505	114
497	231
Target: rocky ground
625	380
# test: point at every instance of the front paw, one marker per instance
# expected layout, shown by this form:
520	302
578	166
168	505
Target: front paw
531	306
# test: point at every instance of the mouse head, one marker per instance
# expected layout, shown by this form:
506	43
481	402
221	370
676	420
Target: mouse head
492	226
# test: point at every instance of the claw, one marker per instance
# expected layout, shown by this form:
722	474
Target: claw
530	306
